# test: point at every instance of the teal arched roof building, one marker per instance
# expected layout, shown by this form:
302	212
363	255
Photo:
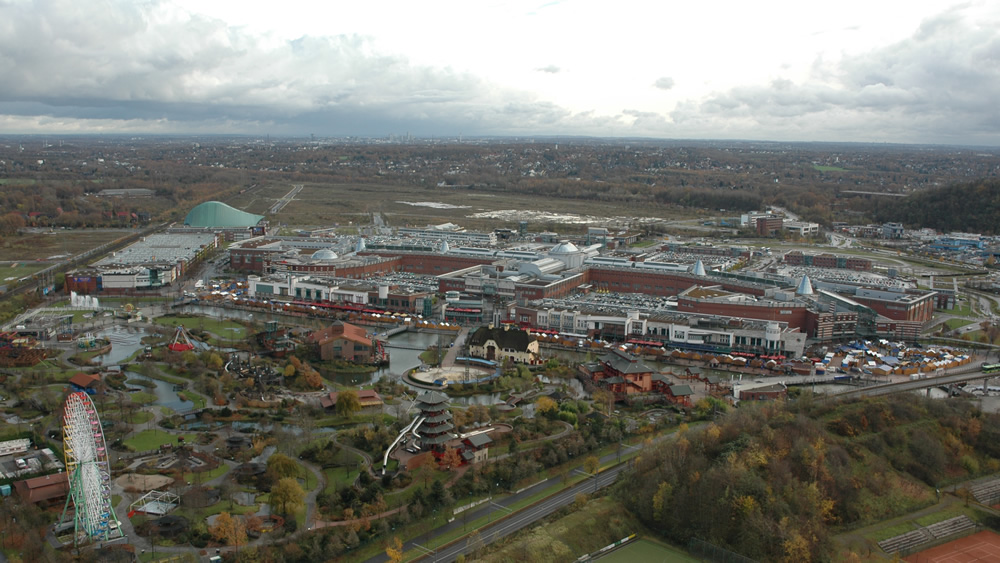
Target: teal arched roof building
215	214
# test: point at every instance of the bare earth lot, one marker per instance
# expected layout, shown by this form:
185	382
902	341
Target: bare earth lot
53	246
326	204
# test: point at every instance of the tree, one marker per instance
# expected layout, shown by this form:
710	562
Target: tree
313	379
591	464
546	406
289	370
604	400
394	551
474	543
451	458
348	403
281	466
425	471
287	496
215	361
229	529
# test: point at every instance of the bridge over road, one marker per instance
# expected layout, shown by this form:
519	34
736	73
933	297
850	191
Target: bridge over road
971	372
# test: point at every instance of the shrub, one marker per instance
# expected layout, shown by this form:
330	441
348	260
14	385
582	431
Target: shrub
969	464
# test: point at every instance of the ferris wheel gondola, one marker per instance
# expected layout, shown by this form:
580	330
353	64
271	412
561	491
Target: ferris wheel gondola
89	472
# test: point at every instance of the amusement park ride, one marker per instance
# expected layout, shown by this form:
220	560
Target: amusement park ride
182	342
89	471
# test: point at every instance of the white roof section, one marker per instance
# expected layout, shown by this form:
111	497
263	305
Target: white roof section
161	248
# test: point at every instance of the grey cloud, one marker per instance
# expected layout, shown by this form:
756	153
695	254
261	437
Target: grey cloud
550	69
664	83
59	61
939	85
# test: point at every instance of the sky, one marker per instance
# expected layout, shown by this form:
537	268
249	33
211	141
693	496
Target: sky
913	71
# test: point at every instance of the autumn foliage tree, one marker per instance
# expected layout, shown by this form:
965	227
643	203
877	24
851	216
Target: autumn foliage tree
451	458
229	529
546	406
770	481
394	551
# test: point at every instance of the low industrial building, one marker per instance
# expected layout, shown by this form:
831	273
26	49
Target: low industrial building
313	288
151	264
827	260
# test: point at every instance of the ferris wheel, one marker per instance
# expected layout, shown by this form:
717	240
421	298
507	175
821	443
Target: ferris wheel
89	471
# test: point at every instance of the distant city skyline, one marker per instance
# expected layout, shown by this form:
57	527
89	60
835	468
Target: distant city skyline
895	72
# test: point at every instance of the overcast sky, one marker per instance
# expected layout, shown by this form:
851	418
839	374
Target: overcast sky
873	70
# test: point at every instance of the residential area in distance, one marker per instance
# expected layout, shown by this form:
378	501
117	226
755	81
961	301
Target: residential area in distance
497	349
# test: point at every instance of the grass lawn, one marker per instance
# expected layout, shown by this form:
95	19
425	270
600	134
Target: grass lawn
935	517
174	378
646	550
224	331
337	478
141	417
822	168
962	309
891	531
10	274
142	398
952	324
206	476
198	400
643	243
196	514
153	439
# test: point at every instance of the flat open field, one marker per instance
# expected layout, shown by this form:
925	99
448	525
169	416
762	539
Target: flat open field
9	272
55	245
646	550
326	204
981	546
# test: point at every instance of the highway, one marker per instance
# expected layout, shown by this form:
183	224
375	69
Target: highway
524	517
528	516
281	203
974	373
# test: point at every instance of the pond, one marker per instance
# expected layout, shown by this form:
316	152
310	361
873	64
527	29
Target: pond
165	394
125	340
404	354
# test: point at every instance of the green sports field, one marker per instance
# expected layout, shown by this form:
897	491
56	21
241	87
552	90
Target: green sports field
647	551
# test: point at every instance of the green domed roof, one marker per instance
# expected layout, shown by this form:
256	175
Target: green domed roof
218	214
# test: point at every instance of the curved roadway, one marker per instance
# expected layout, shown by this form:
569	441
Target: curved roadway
516	520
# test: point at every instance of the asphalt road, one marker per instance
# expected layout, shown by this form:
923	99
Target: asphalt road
520	519
530	515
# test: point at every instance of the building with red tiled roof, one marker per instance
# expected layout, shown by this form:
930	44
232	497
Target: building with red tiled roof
343	341
86	382
622	374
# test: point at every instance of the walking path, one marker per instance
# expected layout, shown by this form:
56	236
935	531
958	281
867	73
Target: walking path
459	344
